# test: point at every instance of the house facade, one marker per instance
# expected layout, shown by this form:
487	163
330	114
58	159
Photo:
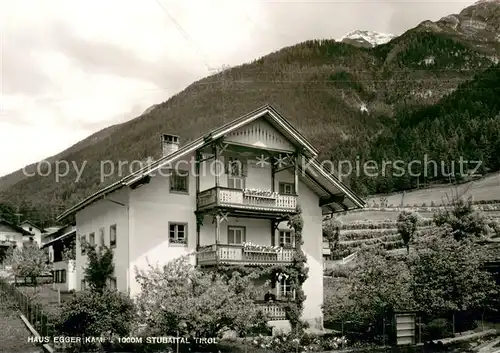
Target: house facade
225	199
10	235
61	259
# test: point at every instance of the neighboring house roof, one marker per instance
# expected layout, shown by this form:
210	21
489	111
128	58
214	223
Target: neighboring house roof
33	225
56	231
275	118
15	227
59	238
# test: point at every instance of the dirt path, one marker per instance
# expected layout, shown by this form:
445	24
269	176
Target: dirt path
13	333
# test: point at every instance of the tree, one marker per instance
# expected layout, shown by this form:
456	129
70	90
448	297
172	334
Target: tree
100	266
27	261
407	226
180	299
331	229
464	221
69	251
447	276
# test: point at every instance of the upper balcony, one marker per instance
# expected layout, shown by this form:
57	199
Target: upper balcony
246	200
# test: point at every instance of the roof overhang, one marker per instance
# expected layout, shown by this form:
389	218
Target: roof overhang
60	238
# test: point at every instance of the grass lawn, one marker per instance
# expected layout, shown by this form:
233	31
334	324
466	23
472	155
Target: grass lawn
13	332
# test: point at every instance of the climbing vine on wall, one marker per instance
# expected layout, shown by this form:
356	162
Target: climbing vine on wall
298	273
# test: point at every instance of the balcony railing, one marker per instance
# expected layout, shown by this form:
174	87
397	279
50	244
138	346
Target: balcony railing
237	198
273	311
232	254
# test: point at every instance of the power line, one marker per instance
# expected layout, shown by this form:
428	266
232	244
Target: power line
183	32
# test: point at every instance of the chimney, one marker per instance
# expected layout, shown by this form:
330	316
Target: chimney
169	144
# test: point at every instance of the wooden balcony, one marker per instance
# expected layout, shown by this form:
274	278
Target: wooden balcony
273	311
243	200
230	254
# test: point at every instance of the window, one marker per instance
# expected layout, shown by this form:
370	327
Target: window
31	229
235	182
287	188
54	275
101	236
92	239
51	256
62	276
179	182
83	240
177	233
112	283
286	238
112	236
83	285
285	288
235	235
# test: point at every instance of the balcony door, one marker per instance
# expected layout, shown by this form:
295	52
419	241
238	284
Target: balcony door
236	235
236	169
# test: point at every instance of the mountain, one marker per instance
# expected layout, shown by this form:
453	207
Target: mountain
366	39
426	92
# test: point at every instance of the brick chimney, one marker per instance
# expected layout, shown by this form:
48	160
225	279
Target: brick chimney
169	144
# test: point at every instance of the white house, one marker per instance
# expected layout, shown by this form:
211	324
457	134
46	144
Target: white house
234	185
10	235
36	232
63	267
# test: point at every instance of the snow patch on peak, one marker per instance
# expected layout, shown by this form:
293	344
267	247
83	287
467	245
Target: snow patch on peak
371	37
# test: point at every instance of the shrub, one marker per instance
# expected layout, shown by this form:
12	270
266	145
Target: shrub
107	313
436	329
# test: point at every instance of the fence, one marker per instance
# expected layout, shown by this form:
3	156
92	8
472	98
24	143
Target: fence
426	328
34	312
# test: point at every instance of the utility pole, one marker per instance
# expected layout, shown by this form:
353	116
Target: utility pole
18	215
222	71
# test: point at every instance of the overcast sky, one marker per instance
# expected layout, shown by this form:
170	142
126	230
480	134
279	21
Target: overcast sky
72	67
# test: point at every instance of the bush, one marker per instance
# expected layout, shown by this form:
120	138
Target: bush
96	314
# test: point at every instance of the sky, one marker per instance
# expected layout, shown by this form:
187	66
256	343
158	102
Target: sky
69	68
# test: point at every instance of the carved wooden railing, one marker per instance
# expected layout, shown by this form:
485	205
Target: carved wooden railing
272	311
227	197
237	254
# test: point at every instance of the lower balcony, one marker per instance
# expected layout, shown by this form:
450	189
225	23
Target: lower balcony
239	254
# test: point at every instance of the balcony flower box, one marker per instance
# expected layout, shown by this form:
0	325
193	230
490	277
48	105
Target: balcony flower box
267	249
263	194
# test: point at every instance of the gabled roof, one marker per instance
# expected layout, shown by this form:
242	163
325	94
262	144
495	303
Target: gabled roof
274	117
15	227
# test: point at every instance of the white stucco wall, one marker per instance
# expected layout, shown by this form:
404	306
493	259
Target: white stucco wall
103	214
152	207
313	244
37	233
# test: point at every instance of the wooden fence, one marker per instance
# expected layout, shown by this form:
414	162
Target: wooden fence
34	312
